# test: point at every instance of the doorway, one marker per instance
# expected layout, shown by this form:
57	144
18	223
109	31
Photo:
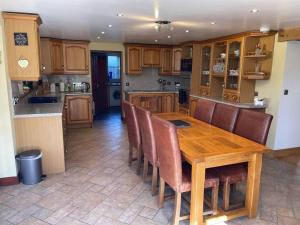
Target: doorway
106	82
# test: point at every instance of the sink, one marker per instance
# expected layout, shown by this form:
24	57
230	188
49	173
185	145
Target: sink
42	99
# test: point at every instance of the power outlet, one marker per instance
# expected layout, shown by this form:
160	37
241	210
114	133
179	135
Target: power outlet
286	92
127	84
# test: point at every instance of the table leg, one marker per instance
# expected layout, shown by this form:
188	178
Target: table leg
253	184
197	195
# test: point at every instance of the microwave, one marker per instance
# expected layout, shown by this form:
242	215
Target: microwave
186	65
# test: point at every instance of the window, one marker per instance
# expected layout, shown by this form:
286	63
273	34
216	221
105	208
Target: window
113	67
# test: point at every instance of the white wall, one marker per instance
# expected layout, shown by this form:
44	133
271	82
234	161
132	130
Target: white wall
7	147
288	126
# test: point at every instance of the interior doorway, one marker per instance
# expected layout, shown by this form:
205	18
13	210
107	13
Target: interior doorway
106	82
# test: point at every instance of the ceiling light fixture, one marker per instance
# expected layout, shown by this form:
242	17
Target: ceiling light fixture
109	25
156	13
187	31
98	37
102	32
212	23
120	14
169	36
156	40
254	10
161	24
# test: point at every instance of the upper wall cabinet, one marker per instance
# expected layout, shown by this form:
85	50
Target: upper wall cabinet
176	62
22	44
64	57
133	60
166	61
151	57
76	58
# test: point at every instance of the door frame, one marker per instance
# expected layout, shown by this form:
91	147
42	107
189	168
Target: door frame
103	52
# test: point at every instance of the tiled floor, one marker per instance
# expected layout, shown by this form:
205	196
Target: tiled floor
99	188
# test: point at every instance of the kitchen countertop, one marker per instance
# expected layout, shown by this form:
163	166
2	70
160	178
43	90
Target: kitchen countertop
150	91
239	105
44	109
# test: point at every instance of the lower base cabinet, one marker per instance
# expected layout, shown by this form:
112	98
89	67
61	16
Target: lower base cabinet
155	103
79	110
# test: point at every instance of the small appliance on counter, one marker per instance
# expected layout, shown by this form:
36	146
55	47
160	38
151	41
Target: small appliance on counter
52	88
85	86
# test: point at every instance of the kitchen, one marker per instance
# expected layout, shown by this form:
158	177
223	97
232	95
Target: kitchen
52	102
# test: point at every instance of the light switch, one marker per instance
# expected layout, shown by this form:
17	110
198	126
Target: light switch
286	92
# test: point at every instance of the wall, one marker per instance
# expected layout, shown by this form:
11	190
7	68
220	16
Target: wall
7	143
288	125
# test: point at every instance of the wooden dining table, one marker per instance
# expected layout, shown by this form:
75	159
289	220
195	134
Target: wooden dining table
205	146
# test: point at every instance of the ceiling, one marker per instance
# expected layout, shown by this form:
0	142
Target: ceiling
86	19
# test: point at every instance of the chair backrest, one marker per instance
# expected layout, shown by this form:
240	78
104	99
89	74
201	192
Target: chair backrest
132	124
146	130
168	152
253	125
204	110
225	116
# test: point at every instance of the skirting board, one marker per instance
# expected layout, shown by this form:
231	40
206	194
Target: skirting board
6	181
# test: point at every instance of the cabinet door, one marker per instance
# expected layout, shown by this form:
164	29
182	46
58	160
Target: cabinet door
46	63
168	103
176	62
57	57
76	58
151	103
193	105
166	61
151	57
79	110
134	57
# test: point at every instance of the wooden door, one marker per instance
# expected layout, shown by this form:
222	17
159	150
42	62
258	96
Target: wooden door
79	109
168	103
134	60
151	57
166	61
151	103
46	62
76	58
176	62
57	56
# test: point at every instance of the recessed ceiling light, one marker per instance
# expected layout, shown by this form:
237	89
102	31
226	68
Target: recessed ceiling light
212	23
109	25
120	14
98	37
254	10
156	40
169	36
102	32
186	31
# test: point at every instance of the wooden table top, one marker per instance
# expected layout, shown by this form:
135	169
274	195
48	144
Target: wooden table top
205	142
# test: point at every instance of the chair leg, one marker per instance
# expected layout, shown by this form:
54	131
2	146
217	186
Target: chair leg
145	170
177	205
226	196
139	159
161	196
130	155
154	180
214	199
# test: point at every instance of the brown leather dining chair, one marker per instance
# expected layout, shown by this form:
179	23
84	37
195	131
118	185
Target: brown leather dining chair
251	125
204	110
148	145
171	170
225	116
133	130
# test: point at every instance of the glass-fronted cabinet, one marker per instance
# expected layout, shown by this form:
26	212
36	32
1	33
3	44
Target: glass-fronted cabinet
234	64
205	65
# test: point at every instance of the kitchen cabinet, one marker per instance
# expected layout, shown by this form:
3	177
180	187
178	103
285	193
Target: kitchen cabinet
151	57
166	61
154	102
133	60
76	57
64	57
176	61
22	45
57	56
79	110
193	105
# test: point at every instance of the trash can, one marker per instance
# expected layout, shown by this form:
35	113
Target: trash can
30	166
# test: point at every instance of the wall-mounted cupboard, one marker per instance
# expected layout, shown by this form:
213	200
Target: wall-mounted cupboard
64	56
229	66
166	58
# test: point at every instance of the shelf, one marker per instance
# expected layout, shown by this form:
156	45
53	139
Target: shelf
256	76
218	75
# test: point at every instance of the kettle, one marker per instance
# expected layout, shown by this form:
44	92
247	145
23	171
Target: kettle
85	86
